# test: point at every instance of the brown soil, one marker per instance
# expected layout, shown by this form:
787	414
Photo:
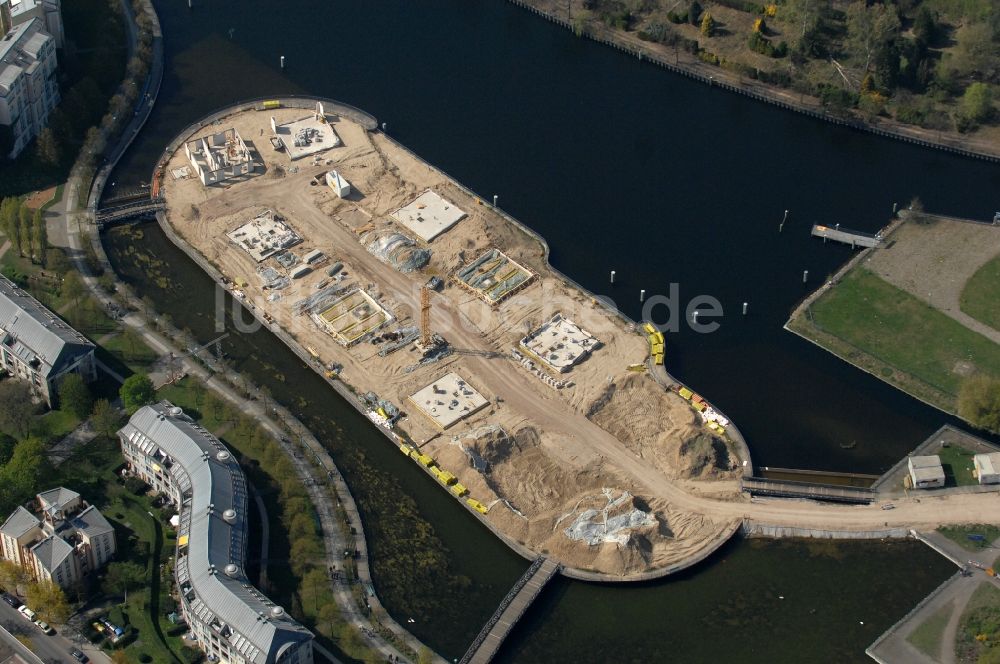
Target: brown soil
557	461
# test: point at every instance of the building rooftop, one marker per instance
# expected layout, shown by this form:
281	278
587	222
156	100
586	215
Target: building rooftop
36	335
19	51
91	522
58	498
18	523
212	534
51	552
989	464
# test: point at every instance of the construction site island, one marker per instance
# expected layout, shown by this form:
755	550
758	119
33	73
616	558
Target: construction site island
526	399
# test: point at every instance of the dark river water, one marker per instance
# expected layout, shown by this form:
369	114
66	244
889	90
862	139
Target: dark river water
623	166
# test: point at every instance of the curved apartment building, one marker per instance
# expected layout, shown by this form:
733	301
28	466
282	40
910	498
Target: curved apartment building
232	621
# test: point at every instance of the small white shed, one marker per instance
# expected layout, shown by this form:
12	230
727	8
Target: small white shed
987	467
339	185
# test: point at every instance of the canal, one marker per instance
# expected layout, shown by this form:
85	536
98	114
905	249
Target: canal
621	166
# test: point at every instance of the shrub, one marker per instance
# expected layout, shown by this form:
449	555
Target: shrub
674	17
709	57
177	630
145	659
694	13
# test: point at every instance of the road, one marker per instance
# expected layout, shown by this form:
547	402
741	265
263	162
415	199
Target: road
48	649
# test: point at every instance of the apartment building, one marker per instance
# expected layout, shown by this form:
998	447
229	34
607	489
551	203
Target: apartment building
28	87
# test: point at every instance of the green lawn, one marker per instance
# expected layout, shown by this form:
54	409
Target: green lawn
978	637
958	467
960	535
927	636
893	326
137	358
981	295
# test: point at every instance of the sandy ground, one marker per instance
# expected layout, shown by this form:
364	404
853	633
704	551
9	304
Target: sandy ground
565	447
933	257
561	451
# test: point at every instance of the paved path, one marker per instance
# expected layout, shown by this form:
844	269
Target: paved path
951	598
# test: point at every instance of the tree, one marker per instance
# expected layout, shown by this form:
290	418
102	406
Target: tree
979	402
7	444
977	103
49	601
8	214
924	26
132	341
16	408
136	392
122	577
12	575
19	477
40	235
976	53
24	231
56	260
72	287
48	147
694	12
707	25
869	28
74	395
105	418
805	16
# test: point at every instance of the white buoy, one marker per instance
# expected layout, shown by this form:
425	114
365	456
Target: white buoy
805	275
642	295
745	307
694	316
612	276
495	198
189	3
282	62
895	206
385	125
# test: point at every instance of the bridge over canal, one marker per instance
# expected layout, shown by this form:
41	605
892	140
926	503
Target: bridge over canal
511	608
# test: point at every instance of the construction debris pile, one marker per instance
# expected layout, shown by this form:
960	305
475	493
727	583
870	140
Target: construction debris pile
612	524
396	249
272	279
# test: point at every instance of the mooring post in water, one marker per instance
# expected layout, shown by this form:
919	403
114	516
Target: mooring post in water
282	62
190	4
385	125
642	295
895	206
612	276
781	226
495	197
745	307
805	275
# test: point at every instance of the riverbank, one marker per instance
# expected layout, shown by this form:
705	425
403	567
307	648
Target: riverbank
894	310
316	347
691	66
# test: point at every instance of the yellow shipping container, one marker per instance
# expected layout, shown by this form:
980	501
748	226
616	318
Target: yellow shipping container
447	477
478	506
685	392
699	405
426	460
272	103
659	337
405	449
657	349
658	359
459	490
649	328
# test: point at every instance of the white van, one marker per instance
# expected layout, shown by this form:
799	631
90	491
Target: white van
27	613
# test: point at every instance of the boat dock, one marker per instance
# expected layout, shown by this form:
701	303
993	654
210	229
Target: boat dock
759	486
847	236
511	608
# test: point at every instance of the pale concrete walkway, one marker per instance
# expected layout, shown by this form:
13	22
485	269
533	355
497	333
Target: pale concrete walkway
951	598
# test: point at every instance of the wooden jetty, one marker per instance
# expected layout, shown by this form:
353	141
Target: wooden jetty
759	486
846	236
511	608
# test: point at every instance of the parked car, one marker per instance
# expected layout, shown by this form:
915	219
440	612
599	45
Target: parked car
13	601
27	613
44	626
78	656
